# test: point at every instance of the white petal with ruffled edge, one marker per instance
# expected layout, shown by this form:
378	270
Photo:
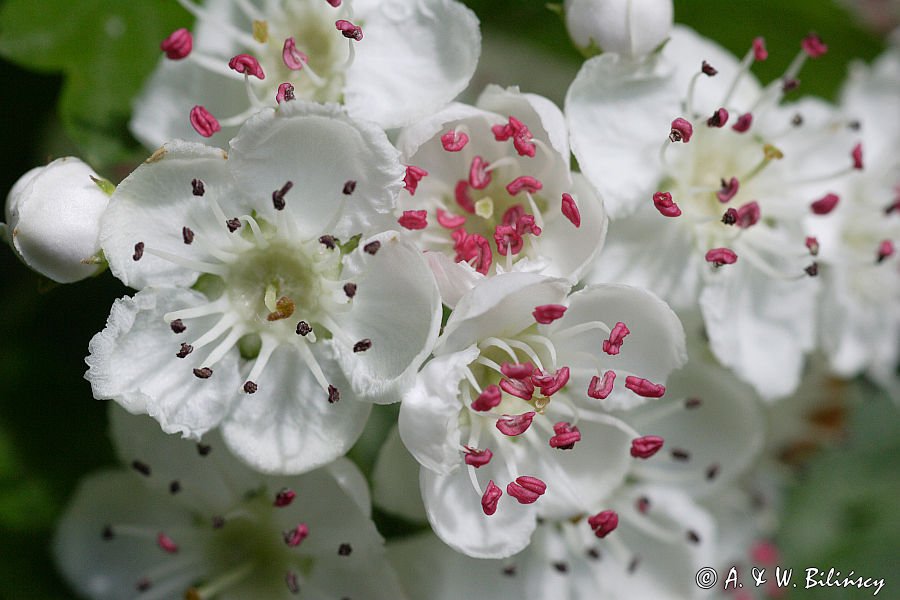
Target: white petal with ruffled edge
395	480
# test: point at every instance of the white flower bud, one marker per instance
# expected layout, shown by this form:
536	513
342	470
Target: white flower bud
632	28
52	219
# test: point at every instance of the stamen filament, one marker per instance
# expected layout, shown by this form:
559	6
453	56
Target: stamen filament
498	343
206	16
581	328
217	306
473	382
223	325
527	350
222	583
188	263
311	362
267	347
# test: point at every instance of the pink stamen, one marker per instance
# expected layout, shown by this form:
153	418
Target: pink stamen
293	537
520	388
285	93
293	58
517	370
412	178
284	497
570	210
743	123
513	425
550	384
490	498
708	70
765	553
477	458
718	118
665	205
479	177
413	219
512	215
334	3
885	250
647	446
729	190
730	217
349	30
547	313
644	387
721	256
461	193
857	156
812	244
166	543
748	215
759	49
247	65
604	523
487	399
601	389
448	220
813	46
525	224
526	489
525	182
454	141
566	436
508	240
520	134
203	122
825	204
473	249
178	45
612	345
681	130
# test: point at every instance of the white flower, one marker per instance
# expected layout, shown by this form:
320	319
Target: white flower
631	28
717	178
52	219
384	59
286	326
508	413
189	521
489	190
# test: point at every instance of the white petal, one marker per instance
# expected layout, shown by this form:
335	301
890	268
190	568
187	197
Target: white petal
319	149
402	70
454	279
629	28
288	425
133	362
395	480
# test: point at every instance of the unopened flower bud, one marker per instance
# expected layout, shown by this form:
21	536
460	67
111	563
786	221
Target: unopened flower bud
632	28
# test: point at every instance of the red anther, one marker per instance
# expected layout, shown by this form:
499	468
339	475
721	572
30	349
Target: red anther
454	141
730	217
604	523
520	134
524	182
477	458
413	219
512	215
825	204
284	497
743	123
708	70
748	215
812	244
203	122
765	553
479	177
857	156
178	45
293	58
517	370
293	537
600	389
349	30
718	118
526	489
412	178
813	46
487	399
681	130
566	436
612	345
520	388
525	224
570	210
665	205
490	498
812	269
472	249
789	84
285	93
550	384
721	256
547	313
643	505
247	65
502	132
508	240
461	193
885	250
759	49
334	3
512	425
450	221
729	190
646	446
166	543
644	387
523	144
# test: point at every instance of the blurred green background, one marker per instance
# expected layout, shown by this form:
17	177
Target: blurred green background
88	57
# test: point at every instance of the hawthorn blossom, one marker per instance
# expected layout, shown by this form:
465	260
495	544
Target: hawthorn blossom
190	521
687	145
496	418
52	219
385	60
266	306
489	190
632	28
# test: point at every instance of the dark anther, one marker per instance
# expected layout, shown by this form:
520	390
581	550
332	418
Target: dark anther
693	537
218	522
692	402
679	454
715	120
334	394
174	487
344	549
362	345
812	270
372	247
140	467
593	553
854	125
328	242
633	565
233	224
197	187
349	187
291	580
509	570
203	449
185	350
278	195
797	121
789	85
107	533
143	584
561	567
730	217
187	234
350	289
708	69
204	373
138	251
643	504
712	471
177	326
303	328
250	387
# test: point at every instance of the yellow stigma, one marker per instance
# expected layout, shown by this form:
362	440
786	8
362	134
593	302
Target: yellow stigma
485	207
261	31
772	153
